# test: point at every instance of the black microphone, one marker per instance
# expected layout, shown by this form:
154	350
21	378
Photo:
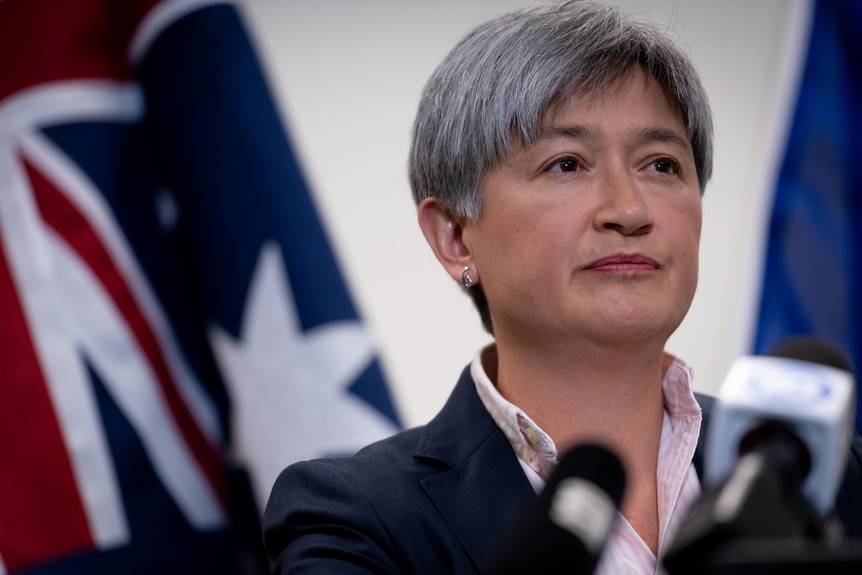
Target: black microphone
565	529
775	454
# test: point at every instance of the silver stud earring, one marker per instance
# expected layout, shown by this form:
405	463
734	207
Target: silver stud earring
465	278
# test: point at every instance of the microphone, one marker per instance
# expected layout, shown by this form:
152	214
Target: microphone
565	529
802	394
775	456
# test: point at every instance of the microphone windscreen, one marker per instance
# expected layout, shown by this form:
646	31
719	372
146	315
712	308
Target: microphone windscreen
595	464
566	528
813	350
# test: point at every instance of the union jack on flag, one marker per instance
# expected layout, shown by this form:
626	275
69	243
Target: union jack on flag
171	308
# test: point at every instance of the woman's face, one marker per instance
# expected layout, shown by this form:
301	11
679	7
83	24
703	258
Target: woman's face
593	232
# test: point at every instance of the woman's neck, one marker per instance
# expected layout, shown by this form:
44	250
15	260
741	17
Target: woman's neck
614	399
580	392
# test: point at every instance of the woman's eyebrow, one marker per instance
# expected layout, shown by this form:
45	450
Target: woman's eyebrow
584	132
658	134
569	131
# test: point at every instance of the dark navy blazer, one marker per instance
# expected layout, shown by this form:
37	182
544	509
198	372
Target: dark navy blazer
433	499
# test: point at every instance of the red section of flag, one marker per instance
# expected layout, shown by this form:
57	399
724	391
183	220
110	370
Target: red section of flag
52	40
61	215
35	472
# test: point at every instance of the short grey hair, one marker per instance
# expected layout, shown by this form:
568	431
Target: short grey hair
494	89
496	86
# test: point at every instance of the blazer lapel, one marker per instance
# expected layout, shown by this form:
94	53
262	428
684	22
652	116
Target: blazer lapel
483	489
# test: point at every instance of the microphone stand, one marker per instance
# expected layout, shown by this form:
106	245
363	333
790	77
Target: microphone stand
758	522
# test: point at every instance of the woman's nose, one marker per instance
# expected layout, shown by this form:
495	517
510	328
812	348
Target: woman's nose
622	206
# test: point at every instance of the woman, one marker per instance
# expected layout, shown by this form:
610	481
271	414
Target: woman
559	157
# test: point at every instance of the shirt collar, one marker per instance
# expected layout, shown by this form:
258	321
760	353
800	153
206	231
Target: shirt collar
532	445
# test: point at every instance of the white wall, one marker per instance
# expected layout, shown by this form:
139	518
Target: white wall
348	75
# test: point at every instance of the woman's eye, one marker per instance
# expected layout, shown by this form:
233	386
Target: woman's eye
664	165
565	165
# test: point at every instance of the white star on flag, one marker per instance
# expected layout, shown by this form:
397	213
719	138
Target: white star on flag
289	387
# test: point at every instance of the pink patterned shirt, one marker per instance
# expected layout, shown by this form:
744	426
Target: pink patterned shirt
625	552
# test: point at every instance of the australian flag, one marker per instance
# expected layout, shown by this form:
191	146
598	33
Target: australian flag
813	275
172	313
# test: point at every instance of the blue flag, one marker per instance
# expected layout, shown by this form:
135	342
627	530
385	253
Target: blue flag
175	326
814	251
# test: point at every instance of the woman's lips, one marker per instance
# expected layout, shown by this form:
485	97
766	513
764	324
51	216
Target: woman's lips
624	263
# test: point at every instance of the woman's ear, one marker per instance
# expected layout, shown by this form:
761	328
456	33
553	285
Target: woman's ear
444	234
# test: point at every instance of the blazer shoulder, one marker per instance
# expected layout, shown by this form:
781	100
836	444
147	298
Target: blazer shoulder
347	514
427	499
